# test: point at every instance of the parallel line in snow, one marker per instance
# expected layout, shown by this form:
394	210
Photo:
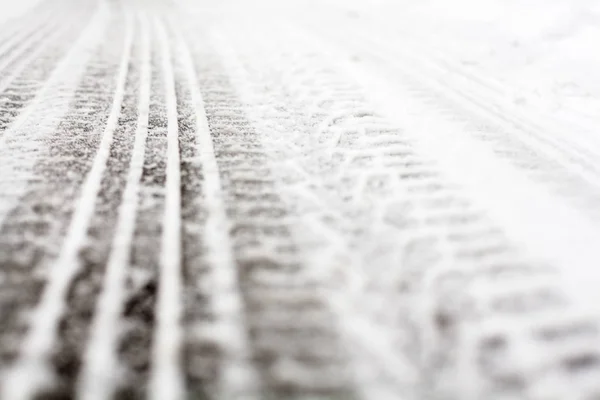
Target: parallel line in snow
30	56
219	249
371	349
574	155
489	88
526	208
12	27
51	102
32	366
23	37
33	42
166	381
99	370
59	70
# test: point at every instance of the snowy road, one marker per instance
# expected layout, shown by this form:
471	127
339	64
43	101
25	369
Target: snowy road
302	200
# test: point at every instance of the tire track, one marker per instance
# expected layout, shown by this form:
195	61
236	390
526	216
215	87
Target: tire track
526	378
374	356
30	42
216	361
15	40
421	49
226	208
18	163
13	27
288	320
40	22
470	92
566	170
458	151
119	195
449	341
69	298
166	380
139	313
531	118
40	222
28	74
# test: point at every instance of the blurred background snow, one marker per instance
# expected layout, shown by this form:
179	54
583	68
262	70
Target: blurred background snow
547	52
13	8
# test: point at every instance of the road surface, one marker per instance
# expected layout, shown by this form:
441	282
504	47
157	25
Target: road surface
298	200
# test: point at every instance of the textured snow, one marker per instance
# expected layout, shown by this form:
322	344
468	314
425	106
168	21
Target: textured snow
303	199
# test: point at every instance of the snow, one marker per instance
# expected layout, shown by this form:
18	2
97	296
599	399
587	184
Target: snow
348	198
544	53
12	9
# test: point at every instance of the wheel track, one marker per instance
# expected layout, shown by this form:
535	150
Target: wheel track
139	313
487	257
21	86
12	27
308	218
520	214
470	88
17	155
273	278
562	376
15	40
33	39
554	165
575	221
567	175
424	47
114	223
216	355
312	149
29	73
46	190
323	264
166	380
81	261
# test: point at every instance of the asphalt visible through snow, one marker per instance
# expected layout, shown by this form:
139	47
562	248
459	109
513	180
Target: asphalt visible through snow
300	200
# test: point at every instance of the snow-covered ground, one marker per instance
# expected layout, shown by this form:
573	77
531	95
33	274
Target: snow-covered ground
303	199
543	52
13	9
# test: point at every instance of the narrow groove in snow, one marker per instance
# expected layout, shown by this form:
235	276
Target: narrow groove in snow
524	204
31	57
43	10
166	380
23	38
32	46
237	372
32	366
372	348
575	155
58	75
100	364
